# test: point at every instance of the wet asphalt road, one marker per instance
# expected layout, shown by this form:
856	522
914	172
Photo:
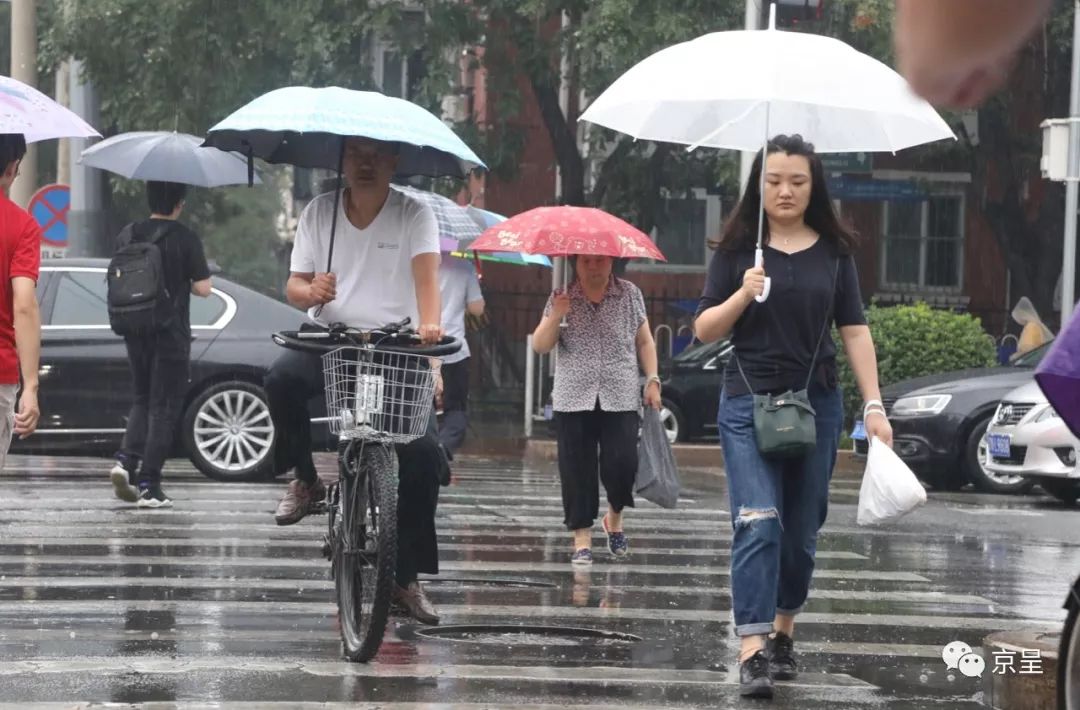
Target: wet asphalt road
211	603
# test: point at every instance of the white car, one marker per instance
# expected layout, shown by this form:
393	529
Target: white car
1026	437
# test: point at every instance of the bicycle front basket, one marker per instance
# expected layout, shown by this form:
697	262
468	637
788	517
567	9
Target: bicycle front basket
379	395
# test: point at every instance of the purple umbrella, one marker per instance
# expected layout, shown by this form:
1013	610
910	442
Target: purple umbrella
1059	375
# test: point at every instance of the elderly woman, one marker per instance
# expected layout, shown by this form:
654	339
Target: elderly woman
597	395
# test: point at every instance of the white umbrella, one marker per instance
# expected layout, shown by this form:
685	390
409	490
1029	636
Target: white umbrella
167	156
735	89
25	110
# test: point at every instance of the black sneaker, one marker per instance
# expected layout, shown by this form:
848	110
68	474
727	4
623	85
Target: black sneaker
782	657
153	497
754	678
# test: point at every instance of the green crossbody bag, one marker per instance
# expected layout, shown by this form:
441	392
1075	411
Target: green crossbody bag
785	424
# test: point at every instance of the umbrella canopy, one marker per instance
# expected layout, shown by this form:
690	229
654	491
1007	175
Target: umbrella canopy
787	82
460	225
455	223
167	156
1059	375
568	231
26	110
487	219
303	126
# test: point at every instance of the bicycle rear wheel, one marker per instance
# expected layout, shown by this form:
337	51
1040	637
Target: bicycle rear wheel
365	554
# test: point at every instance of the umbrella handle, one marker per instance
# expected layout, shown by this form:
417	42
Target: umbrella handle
759	261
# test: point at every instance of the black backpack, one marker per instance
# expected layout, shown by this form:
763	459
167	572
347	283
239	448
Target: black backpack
138	299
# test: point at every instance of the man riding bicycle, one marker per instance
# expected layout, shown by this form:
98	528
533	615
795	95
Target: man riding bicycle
386	262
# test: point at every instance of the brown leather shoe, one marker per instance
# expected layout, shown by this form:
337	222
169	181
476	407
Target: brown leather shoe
416	603
298	501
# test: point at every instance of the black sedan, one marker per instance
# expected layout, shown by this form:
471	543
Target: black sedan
86	387
939	423
691	390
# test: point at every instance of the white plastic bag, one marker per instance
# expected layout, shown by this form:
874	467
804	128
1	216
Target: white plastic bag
889	488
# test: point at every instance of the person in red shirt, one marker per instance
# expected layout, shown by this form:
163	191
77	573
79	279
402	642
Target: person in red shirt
20	322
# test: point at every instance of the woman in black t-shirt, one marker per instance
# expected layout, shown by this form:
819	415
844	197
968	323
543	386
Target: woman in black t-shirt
779	504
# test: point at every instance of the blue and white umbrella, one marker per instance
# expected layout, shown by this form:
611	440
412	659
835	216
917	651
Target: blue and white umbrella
455	223
303	126
25	110
460	225
167	156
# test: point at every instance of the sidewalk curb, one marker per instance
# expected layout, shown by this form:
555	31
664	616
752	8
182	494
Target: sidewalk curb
1016	691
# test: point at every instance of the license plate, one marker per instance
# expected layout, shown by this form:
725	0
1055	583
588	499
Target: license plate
1000	445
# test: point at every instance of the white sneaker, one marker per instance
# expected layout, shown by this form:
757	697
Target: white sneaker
121	481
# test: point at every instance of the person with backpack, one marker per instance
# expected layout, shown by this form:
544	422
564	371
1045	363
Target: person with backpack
157	265
20	320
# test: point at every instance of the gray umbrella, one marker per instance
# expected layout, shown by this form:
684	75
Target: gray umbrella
167	156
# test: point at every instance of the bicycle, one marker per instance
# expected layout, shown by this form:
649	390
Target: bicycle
1068	675
379	392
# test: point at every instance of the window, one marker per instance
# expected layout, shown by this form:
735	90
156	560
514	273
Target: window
207	311
684	224
80	300
393	74
397	73
924	243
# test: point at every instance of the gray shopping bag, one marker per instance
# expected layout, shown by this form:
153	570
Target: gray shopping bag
657	476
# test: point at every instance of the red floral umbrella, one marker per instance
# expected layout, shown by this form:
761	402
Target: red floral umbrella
567	231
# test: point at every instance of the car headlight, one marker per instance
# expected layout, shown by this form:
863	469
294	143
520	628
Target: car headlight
1048	413
924	406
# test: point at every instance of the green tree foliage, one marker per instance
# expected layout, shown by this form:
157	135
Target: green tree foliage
913	341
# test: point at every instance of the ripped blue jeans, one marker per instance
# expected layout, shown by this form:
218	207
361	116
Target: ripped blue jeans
777	508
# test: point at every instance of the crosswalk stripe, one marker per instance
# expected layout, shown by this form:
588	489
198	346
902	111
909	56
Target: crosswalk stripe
89	586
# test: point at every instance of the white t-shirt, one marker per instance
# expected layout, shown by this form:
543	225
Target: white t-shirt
459	286
375	283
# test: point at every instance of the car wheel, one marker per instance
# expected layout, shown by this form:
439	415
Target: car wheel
673	420
975	456
1068	492
228	433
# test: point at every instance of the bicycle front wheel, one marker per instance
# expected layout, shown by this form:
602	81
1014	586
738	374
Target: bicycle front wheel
365	557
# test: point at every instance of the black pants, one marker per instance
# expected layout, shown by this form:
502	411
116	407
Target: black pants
591	440
160	378
455	419
293	380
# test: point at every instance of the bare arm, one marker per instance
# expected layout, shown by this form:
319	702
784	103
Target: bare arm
475	308
859	346
646	350
718	322
546	335
860	351
425	269
201	288
300	291
28	345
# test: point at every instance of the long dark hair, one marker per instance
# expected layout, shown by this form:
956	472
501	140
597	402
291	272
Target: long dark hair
740	231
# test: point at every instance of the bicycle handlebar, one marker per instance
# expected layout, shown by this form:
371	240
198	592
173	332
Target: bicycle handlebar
395	337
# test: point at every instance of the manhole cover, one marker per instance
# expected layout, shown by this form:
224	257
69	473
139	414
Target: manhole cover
515	635
442	582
